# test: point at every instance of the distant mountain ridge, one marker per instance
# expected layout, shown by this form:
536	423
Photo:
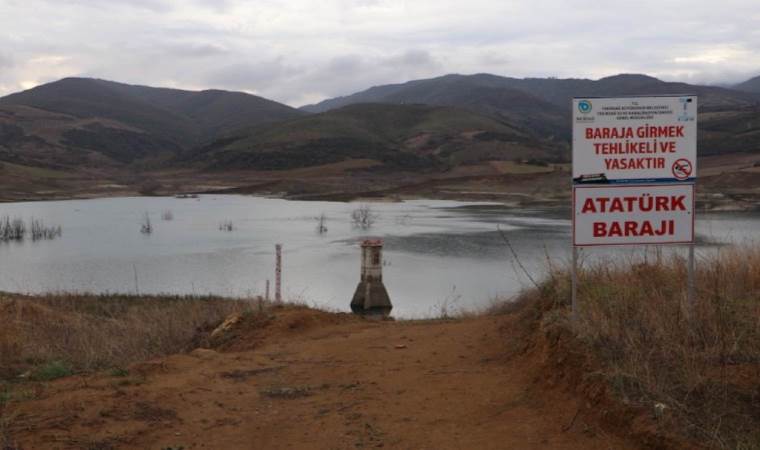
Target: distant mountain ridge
125	122
82	122
751	85
541	105
546	90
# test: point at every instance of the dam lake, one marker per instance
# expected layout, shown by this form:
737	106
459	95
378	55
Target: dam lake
440	257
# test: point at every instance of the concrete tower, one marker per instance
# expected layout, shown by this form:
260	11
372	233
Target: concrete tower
370	297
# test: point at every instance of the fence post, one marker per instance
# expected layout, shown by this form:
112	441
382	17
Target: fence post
690	300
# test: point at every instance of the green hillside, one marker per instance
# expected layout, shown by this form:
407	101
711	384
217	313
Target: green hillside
541	105
409	136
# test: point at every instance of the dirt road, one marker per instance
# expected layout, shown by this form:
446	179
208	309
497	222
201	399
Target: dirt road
314	380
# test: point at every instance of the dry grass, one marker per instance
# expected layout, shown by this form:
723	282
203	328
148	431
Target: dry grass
55	335
702	361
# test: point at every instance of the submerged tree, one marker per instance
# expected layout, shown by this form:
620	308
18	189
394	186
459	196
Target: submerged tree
363	217
146	227
321	224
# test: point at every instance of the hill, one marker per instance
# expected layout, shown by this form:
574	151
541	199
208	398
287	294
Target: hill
751	85
485	94
728	120
452	90
78	119
410	136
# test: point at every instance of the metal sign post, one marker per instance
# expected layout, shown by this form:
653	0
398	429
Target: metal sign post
690	300
574	280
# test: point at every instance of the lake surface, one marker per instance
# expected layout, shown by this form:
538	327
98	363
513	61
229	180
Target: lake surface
439	255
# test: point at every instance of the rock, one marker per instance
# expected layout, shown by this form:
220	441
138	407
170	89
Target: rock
228	324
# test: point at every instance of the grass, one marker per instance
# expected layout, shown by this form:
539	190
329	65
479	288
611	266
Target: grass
53	336
701	361
52	370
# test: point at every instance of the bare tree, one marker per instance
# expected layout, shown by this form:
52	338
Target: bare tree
146	227
167	215
226	226
321	224
40	231
12	229
17	230
363	217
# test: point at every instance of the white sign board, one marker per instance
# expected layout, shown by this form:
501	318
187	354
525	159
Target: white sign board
634	140
624	215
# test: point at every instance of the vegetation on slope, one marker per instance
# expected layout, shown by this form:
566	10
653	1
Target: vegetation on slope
93	332
408	136
541	105
97	122
693	367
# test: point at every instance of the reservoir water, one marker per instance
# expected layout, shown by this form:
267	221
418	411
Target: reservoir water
440	256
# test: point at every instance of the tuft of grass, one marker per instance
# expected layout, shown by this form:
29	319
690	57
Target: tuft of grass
52	371
118	372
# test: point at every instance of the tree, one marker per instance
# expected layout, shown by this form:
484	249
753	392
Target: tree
363	217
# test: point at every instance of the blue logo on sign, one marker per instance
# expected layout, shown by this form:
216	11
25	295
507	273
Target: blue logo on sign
584	106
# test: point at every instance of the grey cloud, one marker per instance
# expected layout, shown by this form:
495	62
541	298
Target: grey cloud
6	62
248	76
413	58
192	50
297	51
153	5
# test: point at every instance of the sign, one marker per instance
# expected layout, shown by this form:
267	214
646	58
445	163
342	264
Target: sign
642	214
634	140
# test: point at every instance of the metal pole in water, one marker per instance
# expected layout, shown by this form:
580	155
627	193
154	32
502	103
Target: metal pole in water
278	274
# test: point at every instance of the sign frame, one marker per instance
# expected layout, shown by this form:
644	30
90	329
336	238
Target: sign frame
692	212
683	99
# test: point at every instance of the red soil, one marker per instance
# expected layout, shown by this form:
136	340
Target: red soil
307	379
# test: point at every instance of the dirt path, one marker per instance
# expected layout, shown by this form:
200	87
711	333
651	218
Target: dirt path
350	384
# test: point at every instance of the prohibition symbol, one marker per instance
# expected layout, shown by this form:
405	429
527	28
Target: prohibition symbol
682	169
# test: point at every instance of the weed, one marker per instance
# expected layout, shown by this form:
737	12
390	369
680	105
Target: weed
118	372
51	371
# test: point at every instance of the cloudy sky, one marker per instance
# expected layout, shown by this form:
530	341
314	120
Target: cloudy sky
301	51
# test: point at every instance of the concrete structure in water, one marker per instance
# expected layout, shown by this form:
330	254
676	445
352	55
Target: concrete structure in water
370	297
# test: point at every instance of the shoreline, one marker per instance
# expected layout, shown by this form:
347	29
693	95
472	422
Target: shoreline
705	202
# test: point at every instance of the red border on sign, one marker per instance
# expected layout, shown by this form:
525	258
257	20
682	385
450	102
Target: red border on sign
693	215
